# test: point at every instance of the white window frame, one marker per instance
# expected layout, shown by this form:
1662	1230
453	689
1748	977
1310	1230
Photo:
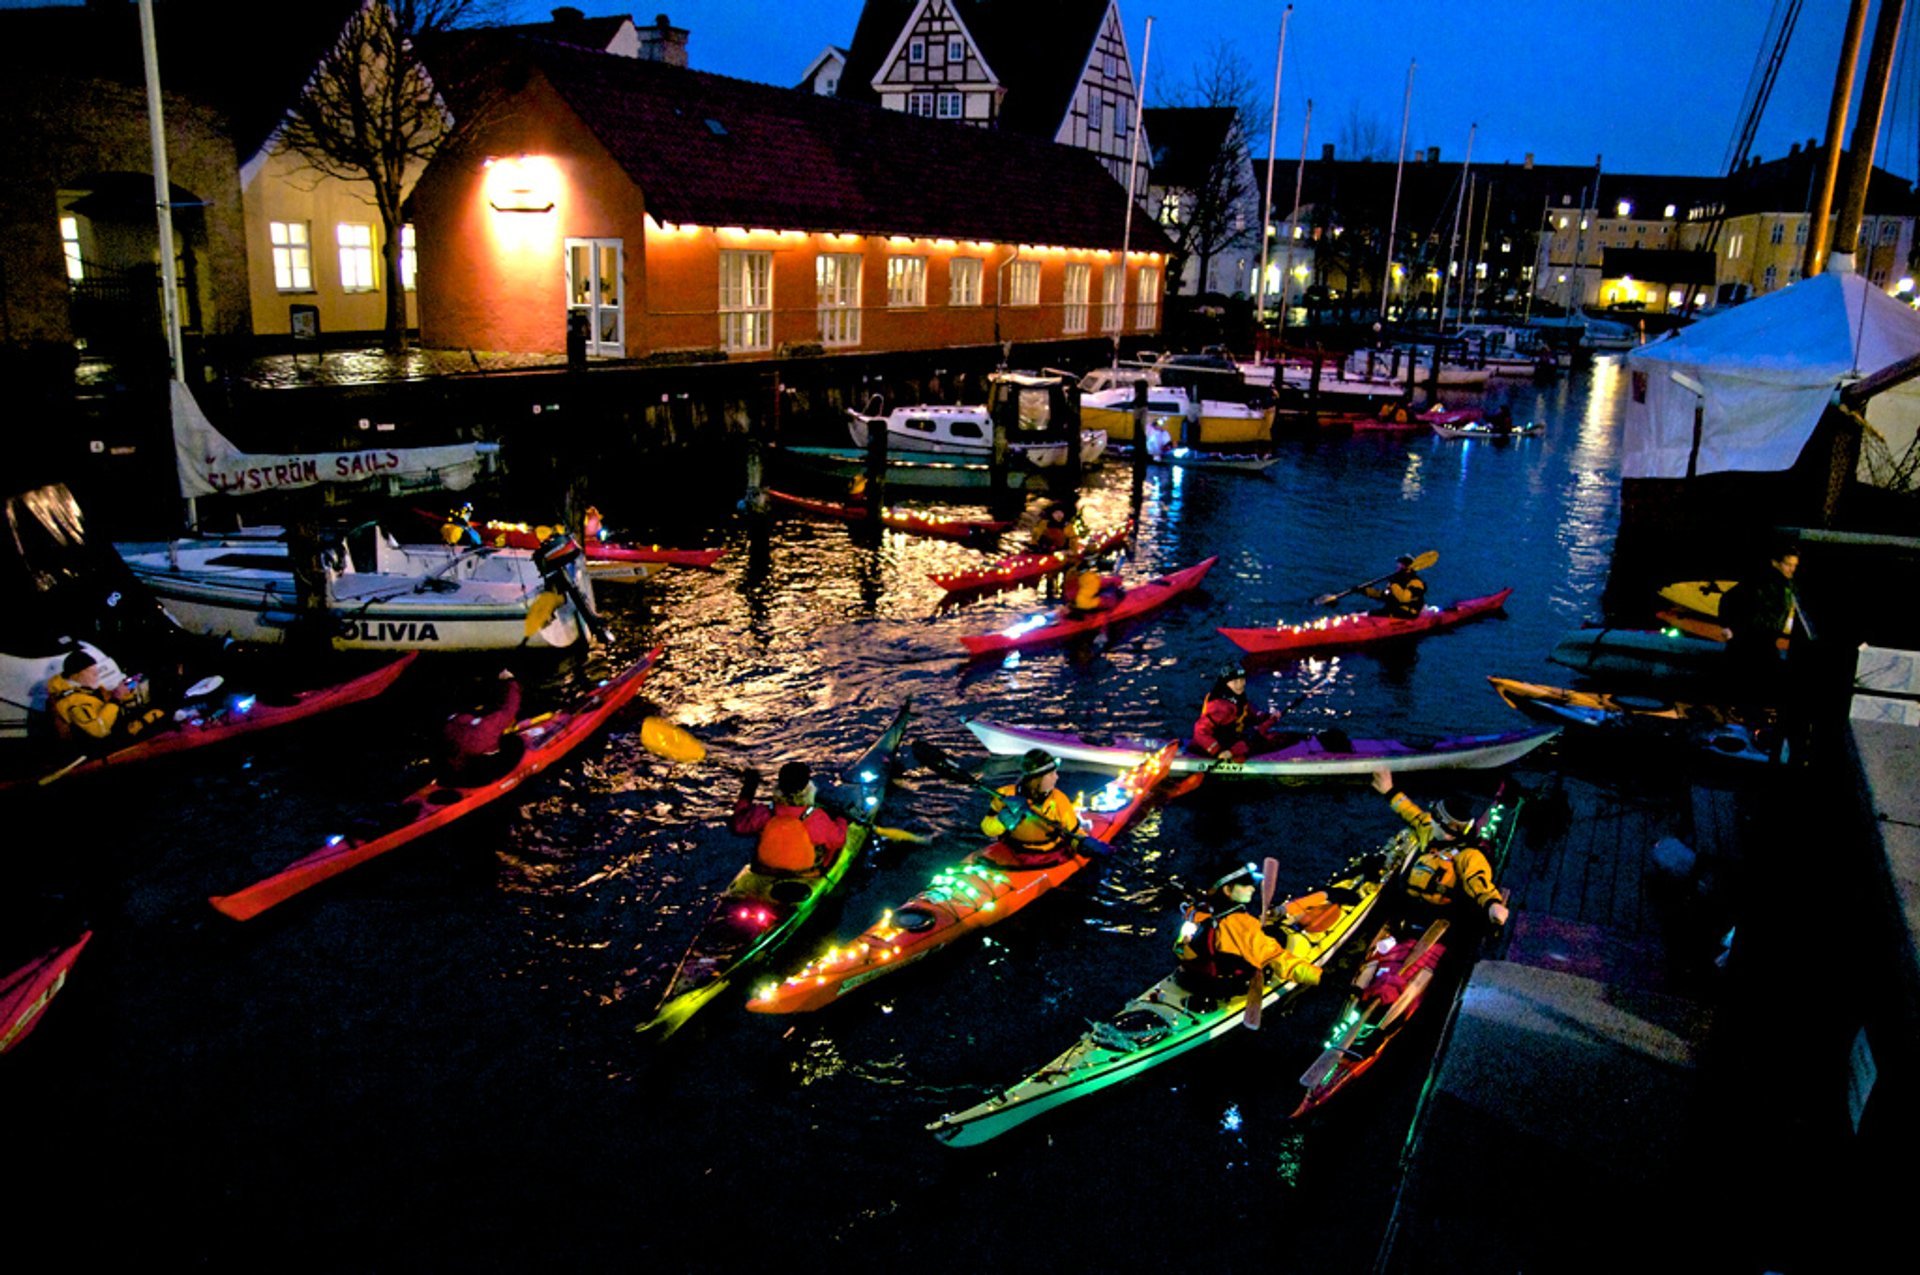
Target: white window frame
956	49
963	280
292	245
1113	298
1170	208
836	277
746	300
603	300
1023	283
1096	107
906	281
1076	285
949	106
917	52
353	240
409	259
920	102
1146	298
70	246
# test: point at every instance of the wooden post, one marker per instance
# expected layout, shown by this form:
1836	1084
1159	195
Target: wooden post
756	498
1139	439
877	443
1061	400
1413	365
1313	387
1433	374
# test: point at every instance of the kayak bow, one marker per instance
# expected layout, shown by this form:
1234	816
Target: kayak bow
1138	600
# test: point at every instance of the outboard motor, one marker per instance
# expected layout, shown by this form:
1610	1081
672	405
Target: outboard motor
557	559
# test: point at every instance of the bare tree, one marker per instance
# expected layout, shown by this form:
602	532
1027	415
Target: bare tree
371	113
1216	190
1363	136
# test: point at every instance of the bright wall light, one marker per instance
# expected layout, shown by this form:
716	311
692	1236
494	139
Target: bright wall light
522	183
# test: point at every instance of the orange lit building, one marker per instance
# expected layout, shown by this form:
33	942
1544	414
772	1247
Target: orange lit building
673	210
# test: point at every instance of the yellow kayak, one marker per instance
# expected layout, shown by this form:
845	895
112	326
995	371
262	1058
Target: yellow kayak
1698	595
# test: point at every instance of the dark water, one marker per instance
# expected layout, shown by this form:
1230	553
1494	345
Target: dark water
430	1062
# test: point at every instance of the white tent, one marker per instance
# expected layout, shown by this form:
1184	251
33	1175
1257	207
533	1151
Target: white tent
1763	374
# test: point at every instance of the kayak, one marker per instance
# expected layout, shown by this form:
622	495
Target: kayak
1359	628
237	715
1167	1020
1316	756
1022	567
1401	959
1702	596
548	737
25	992
520	535
898	519
1187	458
972	895
1641	652
758	913
1041	630
1483	430
1722	731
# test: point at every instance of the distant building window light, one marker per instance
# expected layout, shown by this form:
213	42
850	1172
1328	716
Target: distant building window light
906	281
70	244
1563	223
1113	298
354	239
1079	278
920	104
1671	209
1023	283
1170	208
956	49
292	256
1583	223
1624	208
916	51
949	106
409	259
963	281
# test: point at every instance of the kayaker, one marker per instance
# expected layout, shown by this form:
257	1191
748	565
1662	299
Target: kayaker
1221	941
477	746
1029	817
1501	420
1159	438
1055	532
1228	725
1451	872
797	837
92	700
459	529
1404	593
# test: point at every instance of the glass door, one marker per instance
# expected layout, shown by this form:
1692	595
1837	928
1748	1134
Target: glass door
593	290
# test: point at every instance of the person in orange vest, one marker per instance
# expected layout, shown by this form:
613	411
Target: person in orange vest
796	837
1451	873
1032	821
1055	532
1222	942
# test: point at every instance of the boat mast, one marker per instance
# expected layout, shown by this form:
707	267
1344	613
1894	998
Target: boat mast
1393	221
1293	218
1266	205
1466	259
1817	242
1133	172
1478	254
1866	137
163	214
1453	243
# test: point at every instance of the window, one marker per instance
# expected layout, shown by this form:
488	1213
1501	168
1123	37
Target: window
916	51
963	281
1113	66
1734	246
920	424
1170	208
1779	232
1113	300
1096	108
1800	232
409	259
594	279
949	106
355	241
956	49
292	256
1024	284
1079	276
70	243
906	280
1146	309
837	280
965	429
1773	276
1889	231
1119	122
920	104
746	300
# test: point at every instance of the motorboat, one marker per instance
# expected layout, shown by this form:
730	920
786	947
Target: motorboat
1507	351
1392	364
1199	403
966	432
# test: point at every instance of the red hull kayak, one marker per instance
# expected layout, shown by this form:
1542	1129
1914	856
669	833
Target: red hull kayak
1358	629
25	992
1022	567
1139	600
548	738
898	520
245	716
519	535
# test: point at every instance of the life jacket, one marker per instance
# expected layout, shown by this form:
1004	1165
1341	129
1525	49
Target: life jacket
1198	946
1395	972
1432	878
1052	539
785	845
82	709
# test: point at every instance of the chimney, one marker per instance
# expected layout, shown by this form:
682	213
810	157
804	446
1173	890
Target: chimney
1433	154
1326	152
1529	163
568	14
663	42
1793	150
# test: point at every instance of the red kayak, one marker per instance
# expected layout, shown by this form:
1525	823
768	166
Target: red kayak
548	738
25	992
240	715
1139	600
1359	628
1022	567
898	519
520	535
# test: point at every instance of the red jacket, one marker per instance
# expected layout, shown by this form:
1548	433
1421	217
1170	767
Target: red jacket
470	735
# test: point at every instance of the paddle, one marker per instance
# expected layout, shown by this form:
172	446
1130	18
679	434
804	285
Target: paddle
1420	563
936	760
1257	986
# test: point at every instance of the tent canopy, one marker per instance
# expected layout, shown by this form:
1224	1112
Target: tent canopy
1763	374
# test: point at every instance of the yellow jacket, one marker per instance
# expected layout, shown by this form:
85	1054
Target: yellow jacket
1030	833
82	709
1442	873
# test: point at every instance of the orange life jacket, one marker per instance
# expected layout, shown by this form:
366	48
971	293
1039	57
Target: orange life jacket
785	845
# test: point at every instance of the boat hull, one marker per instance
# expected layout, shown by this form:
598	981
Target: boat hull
1139	600
25	993
1023	568
1359	629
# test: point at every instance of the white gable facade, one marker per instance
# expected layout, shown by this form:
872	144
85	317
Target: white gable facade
1100	117
935	69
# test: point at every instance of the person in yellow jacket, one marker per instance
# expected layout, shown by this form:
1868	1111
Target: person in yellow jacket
92	700
1451	871
1222	942
1032	821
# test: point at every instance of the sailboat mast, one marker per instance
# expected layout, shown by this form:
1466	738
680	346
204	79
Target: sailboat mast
1133	173
1866	138
1453	243
1293	218
1266	205
162	193
1817	242
1393	222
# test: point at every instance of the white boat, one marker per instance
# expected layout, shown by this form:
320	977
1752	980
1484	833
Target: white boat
1184	411
1391	365
407	597
954	430
1506	350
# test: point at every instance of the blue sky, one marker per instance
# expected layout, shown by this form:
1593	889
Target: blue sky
1655	86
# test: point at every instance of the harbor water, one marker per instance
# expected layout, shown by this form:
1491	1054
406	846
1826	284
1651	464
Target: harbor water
430	1062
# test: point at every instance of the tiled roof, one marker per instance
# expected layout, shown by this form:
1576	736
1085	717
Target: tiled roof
570	26
1186	139
708	150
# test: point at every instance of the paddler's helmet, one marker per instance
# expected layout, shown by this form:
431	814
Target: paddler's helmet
1448	825
1038	762
1404	562
1247	874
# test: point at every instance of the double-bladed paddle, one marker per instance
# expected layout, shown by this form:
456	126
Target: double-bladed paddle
937	760
1420	563
1257	987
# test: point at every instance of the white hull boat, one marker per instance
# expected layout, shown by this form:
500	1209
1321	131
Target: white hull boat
967	432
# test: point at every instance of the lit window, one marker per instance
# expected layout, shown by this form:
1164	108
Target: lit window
949	106
837	276
70	243
1625	209
1024	283
1113	300
963	281
1146	308
1079	279
1563	223
916	51
355	241
1670	210
956	49
746	300
1170	208
292	256
409	260
920	104
906	280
